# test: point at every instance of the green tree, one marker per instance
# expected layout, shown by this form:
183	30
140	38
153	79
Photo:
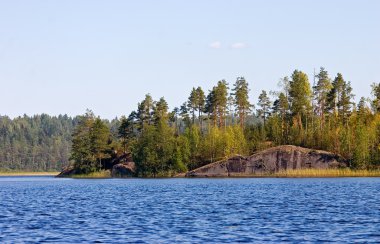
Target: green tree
265	106
281	109
192	103
345	102
124	131
200	103
321	91
221	93
376	97
211	106
300	96
362	109
100	141
160	111
185	114
241	99
218	102
173	117
81	144
145	111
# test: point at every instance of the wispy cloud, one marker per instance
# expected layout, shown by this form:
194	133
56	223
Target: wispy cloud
216	44
238	45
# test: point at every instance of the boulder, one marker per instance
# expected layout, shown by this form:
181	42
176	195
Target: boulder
123	170
67	172
270	161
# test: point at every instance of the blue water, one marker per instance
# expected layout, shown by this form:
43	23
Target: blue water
45	209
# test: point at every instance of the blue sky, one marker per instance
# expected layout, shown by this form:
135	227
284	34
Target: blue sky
60	57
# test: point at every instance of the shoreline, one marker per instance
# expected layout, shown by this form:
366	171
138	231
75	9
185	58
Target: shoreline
22	173
301	173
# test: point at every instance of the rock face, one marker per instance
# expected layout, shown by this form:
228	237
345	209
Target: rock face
67	172
123	170
270	161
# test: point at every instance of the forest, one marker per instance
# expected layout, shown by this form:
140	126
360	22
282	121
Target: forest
37	143
209	126
220	123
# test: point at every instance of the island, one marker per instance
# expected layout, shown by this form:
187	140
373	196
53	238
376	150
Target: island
297	130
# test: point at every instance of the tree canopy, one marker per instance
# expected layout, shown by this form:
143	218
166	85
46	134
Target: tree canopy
203	129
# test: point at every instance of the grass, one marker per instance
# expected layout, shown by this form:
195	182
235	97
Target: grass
299	173
104	174
305	173
25	173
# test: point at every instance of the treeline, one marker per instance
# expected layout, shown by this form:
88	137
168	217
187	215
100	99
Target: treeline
209	126
219	124
38	143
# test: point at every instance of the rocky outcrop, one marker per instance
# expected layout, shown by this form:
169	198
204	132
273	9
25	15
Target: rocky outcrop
67	172
123	170
270	161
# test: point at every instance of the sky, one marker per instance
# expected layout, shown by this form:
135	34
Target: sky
62	57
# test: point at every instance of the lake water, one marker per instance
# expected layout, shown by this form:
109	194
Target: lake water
45	209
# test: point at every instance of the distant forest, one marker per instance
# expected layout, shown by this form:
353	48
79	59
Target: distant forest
36	143
209	126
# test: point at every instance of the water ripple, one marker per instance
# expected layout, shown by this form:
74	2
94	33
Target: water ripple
44	209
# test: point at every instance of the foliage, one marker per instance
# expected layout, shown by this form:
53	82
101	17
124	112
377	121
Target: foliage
90	144
241	99
37	143
203	129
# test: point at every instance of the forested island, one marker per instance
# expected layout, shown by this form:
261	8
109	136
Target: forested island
208	127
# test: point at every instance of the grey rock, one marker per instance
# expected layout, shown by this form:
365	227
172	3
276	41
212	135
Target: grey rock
67	172
123	170
270	161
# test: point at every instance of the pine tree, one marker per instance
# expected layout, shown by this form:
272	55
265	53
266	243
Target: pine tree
192	103
376	94
281	108
340	98
200	103
81	152
334	96
184	114
240	92
144	111
174	118
362	109
321	91
216	103
124	131
210	106
345	102
265	105
100	141
160	111
221	93
300	96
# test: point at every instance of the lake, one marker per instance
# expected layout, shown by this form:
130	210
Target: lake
46	209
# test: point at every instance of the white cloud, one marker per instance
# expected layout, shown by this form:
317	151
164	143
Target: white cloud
215	44
238	45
